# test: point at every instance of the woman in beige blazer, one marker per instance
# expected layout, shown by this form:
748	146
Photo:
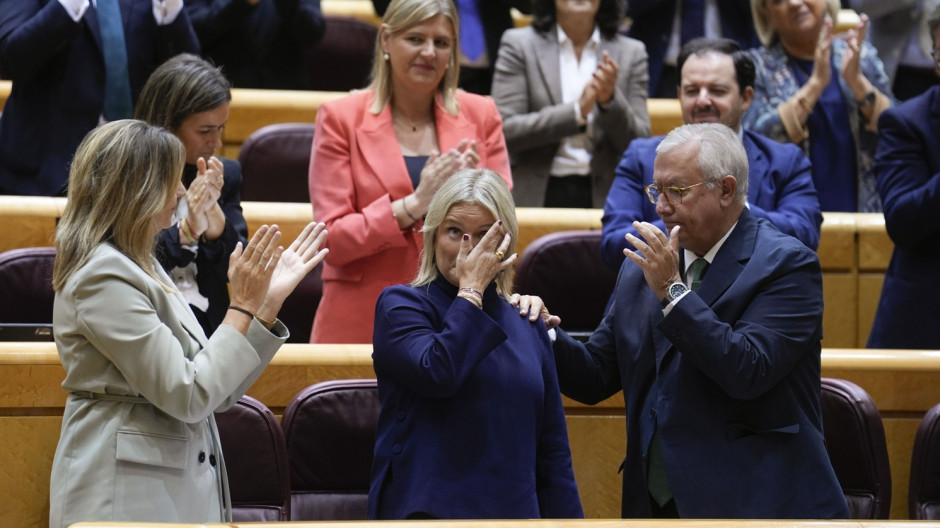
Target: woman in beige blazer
138	440
572	94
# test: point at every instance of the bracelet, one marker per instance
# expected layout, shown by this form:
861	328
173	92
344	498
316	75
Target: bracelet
242	310
188	231
407	212
477	296
267	324
804	103
470	297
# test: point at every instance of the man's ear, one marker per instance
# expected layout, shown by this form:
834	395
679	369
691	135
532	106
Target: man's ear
747	97
728	185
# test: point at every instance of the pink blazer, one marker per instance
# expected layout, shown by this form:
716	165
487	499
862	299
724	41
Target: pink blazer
356	171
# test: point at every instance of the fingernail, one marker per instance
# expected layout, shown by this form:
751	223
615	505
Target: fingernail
500	222
466	236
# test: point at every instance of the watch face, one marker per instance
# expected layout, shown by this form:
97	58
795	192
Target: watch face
676	289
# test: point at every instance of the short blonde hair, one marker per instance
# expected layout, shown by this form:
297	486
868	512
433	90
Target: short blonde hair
401	16
123	174
765	33
482	187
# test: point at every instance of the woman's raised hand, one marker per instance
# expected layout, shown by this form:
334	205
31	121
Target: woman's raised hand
250	268
477	266
822	64
295	263
440	167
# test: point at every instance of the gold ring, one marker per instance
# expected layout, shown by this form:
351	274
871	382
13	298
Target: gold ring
500	254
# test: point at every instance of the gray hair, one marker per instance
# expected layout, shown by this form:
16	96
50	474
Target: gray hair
720	153
482	187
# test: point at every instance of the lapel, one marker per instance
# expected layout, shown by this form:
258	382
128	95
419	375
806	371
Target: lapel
757	168
723	271
378	146
184	312
546	54
451	130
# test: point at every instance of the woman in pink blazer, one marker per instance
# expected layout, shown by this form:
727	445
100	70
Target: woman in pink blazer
379	156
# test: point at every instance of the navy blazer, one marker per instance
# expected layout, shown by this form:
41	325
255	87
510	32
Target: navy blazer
780	189
652	24
58	83
731	378
907	173
212	256
471	422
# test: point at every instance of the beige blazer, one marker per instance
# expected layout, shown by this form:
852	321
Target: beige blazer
527	91
138	439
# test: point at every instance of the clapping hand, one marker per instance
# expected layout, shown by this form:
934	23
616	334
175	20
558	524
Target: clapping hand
657	255
295	263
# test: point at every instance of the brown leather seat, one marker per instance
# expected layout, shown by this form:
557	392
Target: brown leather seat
275	161
924	493
342	60
330	431
565	269
256	462
26	285
855	439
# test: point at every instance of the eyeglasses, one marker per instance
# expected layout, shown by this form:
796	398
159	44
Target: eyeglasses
673	194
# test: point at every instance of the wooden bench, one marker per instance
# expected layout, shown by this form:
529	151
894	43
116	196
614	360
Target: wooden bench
902	383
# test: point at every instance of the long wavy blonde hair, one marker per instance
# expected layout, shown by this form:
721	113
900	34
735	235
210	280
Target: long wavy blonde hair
123	174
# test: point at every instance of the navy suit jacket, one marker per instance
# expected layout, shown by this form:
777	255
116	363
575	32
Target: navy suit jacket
780	189
471	422
58	83
652	24
907	172
212	256
730	377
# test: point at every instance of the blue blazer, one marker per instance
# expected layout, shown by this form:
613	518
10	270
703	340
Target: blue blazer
212	256
58	83
730	376
907	172
652	24
471	423
780	189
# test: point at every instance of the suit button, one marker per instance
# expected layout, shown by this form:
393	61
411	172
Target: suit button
202	457
652	413
396	449
400	416
212	460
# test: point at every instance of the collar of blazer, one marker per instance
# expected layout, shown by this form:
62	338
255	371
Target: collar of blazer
378	144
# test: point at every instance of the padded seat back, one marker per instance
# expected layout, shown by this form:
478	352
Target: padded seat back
924	492
256	462
26	285
565	269
330	431
855	440
342	60
275	162
301	305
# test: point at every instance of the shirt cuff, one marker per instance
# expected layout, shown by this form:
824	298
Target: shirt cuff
166	11
552	334
75	8
669	306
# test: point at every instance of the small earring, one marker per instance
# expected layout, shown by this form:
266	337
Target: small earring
385	56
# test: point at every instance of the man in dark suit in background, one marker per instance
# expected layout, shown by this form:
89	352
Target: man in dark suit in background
907	172
70	72
259	43
667	25
720	371
717	86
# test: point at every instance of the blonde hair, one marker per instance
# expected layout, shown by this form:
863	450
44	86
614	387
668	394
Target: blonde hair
123	174
482	187
761	17
401	16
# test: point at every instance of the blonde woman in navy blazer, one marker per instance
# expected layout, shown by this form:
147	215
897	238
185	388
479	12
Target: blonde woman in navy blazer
471	424
138	440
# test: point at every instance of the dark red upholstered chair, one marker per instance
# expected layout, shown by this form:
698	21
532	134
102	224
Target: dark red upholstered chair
300	306
855	439
26	285
330	431
275	161
565	269
256	462
924	492
342	60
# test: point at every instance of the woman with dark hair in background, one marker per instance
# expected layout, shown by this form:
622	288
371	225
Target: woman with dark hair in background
190	97
572	94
